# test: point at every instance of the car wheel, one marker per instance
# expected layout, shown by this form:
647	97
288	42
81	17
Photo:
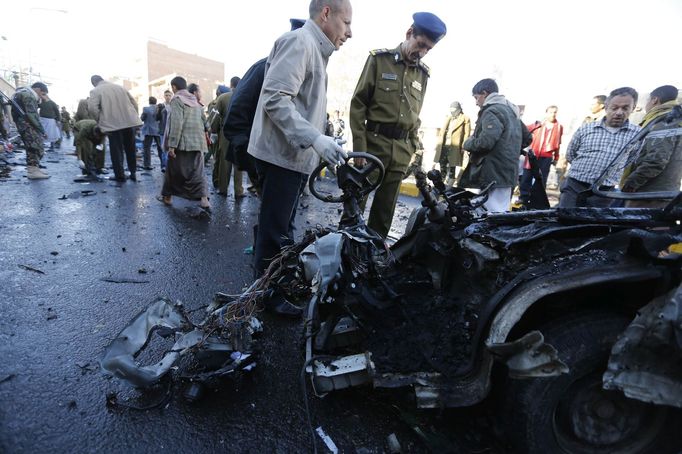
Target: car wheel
572	413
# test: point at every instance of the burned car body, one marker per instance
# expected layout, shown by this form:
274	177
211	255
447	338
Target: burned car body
521	307
552	314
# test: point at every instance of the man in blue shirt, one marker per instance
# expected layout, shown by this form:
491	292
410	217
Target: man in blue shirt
594	147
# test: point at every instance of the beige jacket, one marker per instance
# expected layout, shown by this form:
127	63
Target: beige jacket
292	108
112	107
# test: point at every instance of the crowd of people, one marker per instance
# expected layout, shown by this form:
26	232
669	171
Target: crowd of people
273	125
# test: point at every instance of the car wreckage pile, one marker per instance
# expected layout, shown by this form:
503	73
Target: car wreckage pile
570	318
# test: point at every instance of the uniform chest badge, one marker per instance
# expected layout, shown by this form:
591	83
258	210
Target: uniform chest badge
417	85
389	76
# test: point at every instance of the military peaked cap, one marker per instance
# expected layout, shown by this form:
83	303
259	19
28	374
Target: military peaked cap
431	25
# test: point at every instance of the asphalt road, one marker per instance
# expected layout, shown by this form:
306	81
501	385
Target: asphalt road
57	315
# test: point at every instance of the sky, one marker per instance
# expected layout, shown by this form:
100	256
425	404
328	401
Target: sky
540	52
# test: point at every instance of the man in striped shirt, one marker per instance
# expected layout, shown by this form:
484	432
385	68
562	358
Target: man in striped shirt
594	147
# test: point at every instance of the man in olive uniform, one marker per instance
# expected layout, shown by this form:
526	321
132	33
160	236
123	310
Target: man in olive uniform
222	170
29	127
450	154
87	136
384	113
212	113
66	122
82	113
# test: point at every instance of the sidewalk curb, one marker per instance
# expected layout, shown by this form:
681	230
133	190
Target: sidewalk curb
409	188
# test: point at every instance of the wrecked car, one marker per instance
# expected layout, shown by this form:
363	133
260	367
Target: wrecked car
569	321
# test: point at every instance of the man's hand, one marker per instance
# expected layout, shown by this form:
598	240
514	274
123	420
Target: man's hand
171	152
330	151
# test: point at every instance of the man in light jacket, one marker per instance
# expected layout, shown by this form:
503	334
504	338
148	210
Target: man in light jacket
287	138
115	111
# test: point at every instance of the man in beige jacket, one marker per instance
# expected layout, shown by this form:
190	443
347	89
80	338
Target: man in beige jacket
115	111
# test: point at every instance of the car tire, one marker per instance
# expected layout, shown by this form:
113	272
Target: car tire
572	413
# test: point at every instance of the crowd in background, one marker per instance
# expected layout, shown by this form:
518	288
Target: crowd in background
272	125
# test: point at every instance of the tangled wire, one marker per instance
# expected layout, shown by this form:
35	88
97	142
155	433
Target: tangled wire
284	274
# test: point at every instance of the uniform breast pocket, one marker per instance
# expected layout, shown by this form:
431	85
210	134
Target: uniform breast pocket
387	88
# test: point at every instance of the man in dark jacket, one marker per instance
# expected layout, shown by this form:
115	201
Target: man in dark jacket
658	166
495	146
242	110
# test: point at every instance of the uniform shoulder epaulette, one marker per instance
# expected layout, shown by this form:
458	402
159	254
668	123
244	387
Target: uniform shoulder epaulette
425	68
379	51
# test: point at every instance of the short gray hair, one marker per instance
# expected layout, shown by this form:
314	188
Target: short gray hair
316	6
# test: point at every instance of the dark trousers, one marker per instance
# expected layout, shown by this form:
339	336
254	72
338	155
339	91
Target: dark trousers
571	188
281	190
147	150
526	182
120	141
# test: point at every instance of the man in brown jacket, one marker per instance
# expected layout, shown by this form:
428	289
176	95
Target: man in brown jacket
115	111
449	153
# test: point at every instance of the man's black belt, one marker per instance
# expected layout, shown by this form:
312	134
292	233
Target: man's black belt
387	130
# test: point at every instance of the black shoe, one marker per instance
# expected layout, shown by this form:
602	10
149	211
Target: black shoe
133	177
279	305
118	179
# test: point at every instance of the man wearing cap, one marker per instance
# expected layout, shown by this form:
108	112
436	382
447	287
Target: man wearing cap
384	112
450	154
29	127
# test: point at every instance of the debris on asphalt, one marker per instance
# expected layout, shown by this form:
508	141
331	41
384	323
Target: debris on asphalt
7	378
86	367
51	314
123	280
327	440
199	213
218	346
30	268
393	444
78	194
54	253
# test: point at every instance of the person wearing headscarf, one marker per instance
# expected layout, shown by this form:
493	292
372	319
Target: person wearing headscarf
185	141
